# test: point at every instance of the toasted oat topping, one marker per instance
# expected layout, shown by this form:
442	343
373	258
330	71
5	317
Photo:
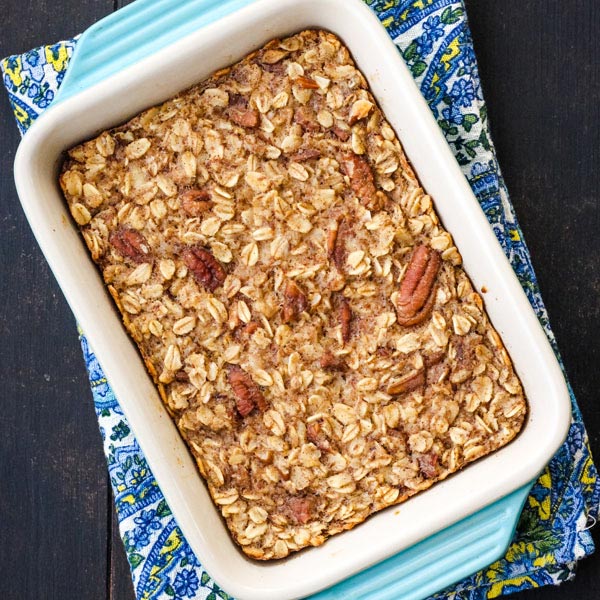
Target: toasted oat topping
297	301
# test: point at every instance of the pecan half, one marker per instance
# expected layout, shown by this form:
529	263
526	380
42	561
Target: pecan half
416	290
336	250
131	244
361	178
294	302
407	383
240	114
247	394
196	202
345	315
428	464
307	83
207	270
330	362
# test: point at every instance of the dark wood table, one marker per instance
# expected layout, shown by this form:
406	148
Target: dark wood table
540	67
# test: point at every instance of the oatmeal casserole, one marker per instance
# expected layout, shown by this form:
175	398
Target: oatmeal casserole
301	309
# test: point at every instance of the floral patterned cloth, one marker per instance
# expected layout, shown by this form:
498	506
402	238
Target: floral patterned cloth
434	39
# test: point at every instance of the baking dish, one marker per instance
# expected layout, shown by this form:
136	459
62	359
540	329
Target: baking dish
158	77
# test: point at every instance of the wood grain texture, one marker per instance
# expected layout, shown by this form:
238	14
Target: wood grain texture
120	584
541	78
53	482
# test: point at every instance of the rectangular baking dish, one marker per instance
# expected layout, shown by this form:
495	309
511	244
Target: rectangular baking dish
155	78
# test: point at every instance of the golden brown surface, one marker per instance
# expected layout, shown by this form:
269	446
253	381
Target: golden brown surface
302	310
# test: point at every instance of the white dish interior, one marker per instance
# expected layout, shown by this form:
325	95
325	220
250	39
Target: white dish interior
155	79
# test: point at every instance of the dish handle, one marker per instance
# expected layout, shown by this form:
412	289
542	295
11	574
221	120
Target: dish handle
439	561
135	32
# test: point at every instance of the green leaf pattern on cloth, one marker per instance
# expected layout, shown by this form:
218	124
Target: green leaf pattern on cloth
434	39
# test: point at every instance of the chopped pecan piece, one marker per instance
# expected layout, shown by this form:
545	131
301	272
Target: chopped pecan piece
195	202
330	362
207	270
301	508
416	290
244	405
361	178
384	351
244	117
336	250
240	330
240	114
345	315
247	394
318	437
250	328
306	118
408	383
342	134
294	302
428	464
464	348
278	68
307	83
306	154
237	101
131	244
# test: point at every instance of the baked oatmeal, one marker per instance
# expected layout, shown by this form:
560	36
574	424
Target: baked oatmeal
294	296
